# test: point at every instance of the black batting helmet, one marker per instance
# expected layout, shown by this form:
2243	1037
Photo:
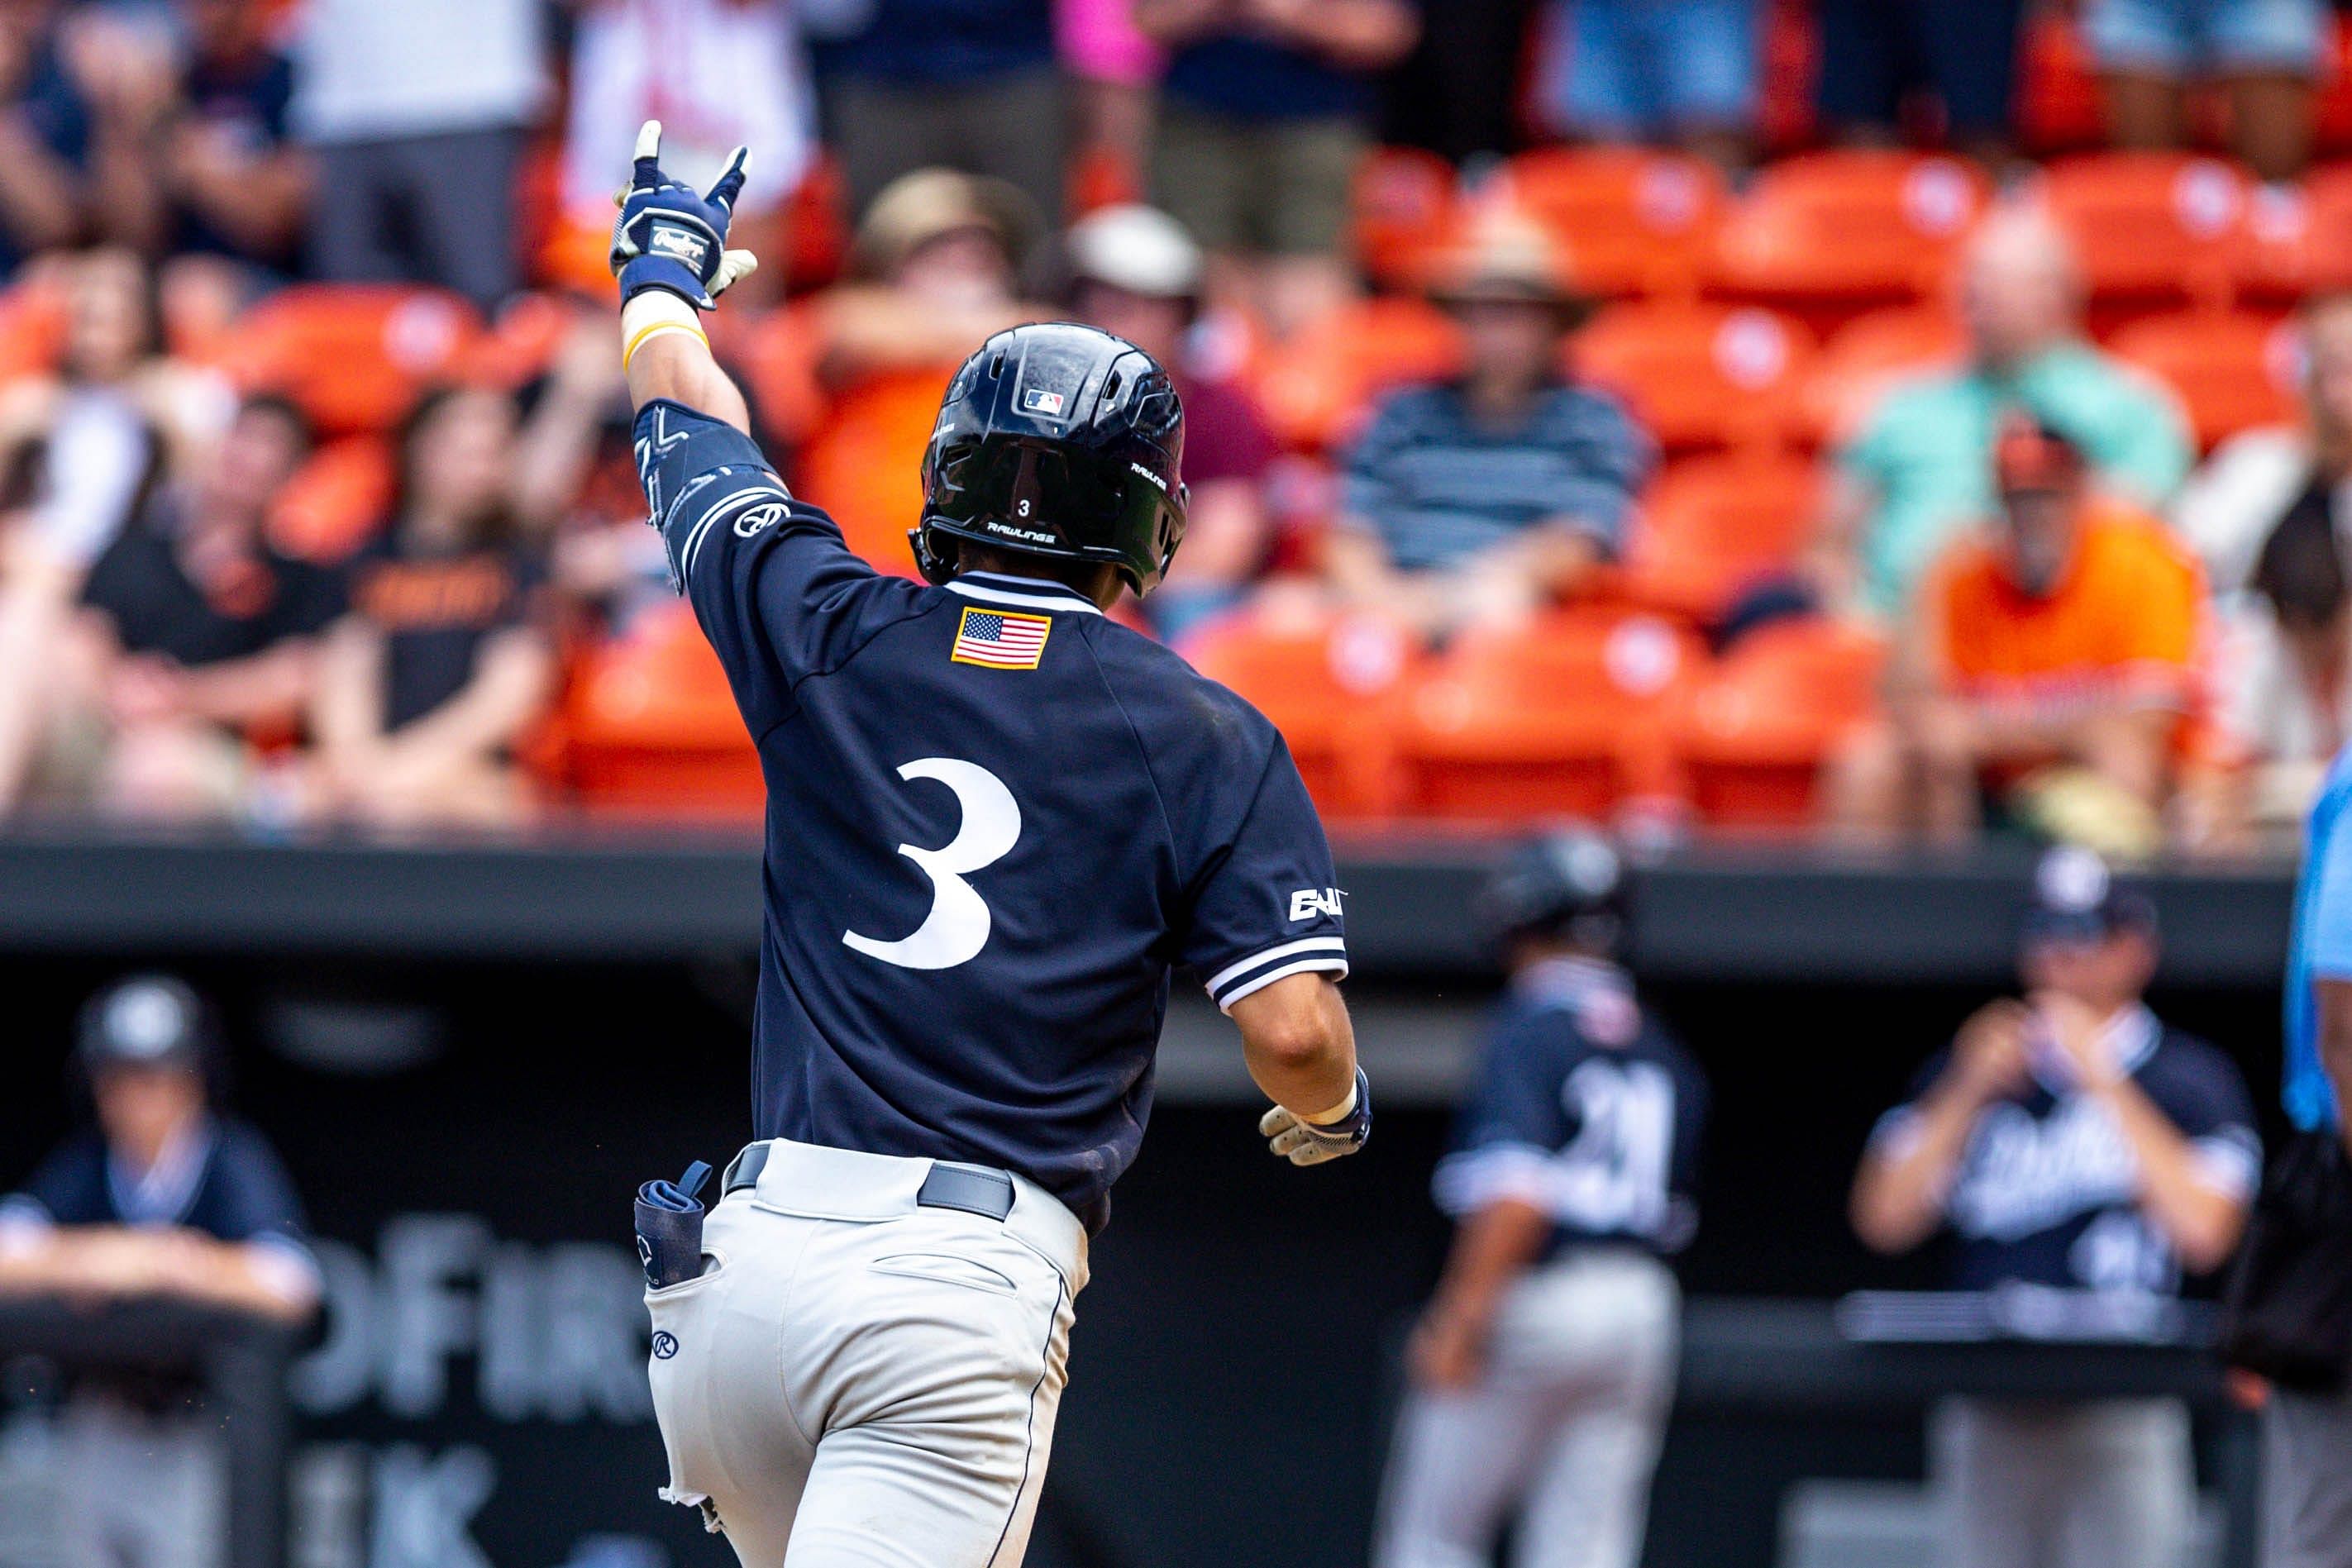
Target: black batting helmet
1060	441
1568	884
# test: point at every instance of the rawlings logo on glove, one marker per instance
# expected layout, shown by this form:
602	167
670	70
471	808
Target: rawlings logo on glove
669	237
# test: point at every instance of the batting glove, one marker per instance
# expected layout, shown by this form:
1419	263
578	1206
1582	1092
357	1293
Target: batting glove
1303	1142
668	237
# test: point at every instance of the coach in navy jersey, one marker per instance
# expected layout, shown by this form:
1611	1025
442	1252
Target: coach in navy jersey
2072	1144
1544	1369
163	1198
996	819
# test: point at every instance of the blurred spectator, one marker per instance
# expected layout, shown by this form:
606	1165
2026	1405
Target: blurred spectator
80	451
956	84
1681	72
2076	1146
193	151
45	136
1136	272
1917	471
196	634
1266	112
444	663
2284	687
418	111
2050	662
2267	55
718	75
164	1198
1115	73
1490	495
1880	58
2230	507
935	270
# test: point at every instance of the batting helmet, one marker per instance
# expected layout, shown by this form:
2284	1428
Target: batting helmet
1567	885
1058	440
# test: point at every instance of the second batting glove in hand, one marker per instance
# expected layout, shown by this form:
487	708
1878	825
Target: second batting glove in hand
668	237
1304	1143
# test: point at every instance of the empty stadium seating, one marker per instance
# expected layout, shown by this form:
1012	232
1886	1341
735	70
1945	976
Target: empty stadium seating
2233	370
1701	376
1632	221
1317	391
1562	718
650	727
2151	229
1751	737
1827	234
354	357
1712	526
1335	686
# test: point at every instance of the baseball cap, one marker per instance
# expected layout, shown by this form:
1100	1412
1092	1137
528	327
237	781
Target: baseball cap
2077	899
1138	248
145	1021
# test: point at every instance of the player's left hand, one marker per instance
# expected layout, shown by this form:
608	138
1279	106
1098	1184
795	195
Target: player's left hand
1303	1142
669	237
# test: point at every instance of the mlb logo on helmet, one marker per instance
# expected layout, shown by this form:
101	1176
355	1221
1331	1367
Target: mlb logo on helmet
1036	400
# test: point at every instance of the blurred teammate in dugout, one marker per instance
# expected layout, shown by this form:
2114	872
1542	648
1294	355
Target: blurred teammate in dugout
163	1197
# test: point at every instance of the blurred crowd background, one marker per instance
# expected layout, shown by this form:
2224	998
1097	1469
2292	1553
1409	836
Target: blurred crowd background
1871	418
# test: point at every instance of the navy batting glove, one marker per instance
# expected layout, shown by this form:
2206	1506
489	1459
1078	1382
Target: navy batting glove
669	237
1305	1142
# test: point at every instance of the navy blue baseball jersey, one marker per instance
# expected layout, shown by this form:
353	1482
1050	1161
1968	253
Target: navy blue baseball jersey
2047	1191
995	819
1585	1107
225	1181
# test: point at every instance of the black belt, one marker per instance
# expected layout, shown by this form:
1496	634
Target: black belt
974	1189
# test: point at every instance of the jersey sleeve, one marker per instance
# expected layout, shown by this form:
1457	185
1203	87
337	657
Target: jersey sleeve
1265	903
66	1188
1514	1124
779	594
2210	1105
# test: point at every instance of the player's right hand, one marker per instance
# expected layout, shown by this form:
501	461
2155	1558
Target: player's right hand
1990	1057
670	238
1304	1143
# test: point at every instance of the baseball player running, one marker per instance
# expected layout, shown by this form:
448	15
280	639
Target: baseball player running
1543	1371
995	819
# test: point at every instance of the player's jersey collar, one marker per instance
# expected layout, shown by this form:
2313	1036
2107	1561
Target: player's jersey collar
1023	592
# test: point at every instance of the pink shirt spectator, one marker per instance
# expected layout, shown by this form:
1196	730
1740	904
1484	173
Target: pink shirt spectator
1099	41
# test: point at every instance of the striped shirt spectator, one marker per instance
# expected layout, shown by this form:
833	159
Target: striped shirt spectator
1437	487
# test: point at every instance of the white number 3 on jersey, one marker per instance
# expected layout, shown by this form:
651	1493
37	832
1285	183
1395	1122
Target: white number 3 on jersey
957	927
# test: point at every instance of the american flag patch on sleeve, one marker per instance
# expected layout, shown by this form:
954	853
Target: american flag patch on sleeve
1000	639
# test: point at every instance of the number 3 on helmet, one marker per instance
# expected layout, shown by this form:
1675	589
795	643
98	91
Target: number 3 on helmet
1058	440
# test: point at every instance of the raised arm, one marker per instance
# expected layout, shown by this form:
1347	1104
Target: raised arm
669	251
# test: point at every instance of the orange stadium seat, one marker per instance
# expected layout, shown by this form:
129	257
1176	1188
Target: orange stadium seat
336	501
354	356
1401	206
1334	686
2151	228
1828	234
1632	221
1564	718
2299	241
1713	527
1866	356
1318	390
866	462
650	726
778	354
32	329
1700	376
1752	736
2233	370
